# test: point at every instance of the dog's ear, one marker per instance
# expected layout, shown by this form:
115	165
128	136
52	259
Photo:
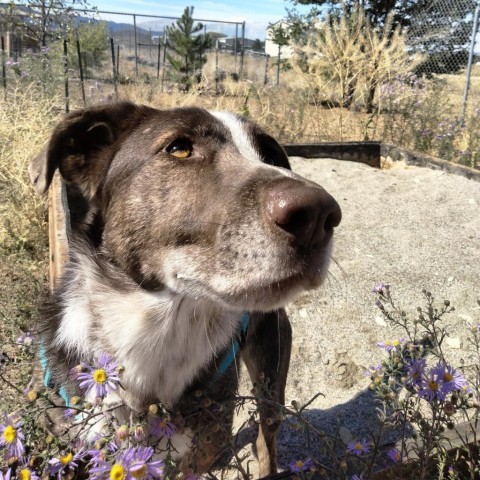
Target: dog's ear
271	151
83	144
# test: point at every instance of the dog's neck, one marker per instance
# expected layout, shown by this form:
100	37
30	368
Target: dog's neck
151	334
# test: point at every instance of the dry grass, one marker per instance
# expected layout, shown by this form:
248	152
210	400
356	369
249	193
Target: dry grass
24	125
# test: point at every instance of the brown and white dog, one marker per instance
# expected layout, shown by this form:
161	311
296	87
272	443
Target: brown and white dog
194	218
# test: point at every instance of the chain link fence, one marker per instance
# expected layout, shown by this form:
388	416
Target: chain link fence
433	108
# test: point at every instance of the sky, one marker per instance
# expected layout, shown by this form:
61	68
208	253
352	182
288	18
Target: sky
256	13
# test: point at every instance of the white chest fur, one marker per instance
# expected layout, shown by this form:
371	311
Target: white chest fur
162	339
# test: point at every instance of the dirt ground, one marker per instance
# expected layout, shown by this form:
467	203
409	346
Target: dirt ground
410	227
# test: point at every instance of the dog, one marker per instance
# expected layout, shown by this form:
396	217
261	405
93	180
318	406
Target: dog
193	222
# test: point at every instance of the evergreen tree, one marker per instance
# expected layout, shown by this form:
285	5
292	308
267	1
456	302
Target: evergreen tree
189	47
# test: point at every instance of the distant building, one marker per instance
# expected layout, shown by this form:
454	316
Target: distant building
271	48
228	43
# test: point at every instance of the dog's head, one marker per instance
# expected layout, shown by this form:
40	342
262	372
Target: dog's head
202	204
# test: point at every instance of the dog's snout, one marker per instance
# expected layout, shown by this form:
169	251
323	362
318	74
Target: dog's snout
306	213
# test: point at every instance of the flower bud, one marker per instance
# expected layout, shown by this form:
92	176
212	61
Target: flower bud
122	433
31	395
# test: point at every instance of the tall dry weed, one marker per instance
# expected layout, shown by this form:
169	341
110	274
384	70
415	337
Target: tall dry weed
345	52
25	121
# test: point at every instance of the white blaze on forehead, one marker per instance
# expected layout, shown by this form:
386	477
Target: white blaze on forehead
240	135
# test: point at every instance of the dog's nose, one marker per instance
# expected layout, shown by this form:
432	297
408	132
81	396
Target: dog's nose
306	213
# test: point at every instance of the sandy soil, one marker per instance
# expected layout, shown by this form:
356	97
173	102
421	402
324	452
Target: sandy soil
411	227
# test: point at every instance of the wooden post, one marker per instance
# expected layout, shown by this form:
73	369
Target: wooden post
58	229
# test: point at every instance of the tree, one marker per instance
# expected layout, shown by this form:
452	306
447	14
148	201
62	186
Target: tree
44	20
439	29
258	45
279	34
93	38
188	46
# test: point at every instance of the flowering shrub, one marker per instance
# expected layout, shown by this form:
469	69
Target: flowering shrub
44	69
418	114
430	397
422	396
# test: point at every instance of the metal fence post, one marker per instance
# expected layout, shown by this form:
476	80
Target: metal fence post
236	46
115	87
278	63
242	51
164	59
4	71
80	66
470	61
135	38
65	66
265	80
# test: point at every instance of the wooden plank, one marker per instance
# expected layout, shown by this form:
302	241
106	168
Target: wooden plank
395	154
58	227
362	152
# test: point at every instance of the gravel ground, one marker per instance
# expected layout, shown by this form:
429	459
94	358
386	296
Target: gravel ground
411	227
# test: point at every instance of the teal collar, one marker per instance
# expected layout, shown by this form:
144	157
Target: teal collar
229	357
47	376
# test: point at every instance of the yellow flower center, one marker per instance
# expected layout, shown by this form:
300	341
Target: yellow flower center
66	459
139	472
24	474
99	375
433	385
299	464
358	446
117	472
9	434
447	377
396	343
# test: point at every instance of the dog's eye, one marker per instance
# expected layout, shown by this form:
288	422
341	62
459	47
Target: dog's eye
181	148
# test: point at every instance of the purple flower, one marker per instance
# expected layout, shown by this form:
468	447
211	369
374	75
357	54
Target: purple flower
159	427
101	378
379	287
394	455
7	475
69	412
300	465
356	477
141	465
431	386
25	339
358	448
415	371
451	379
391	345
193	476
24	472
11	437
64	464
379	304
134	462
